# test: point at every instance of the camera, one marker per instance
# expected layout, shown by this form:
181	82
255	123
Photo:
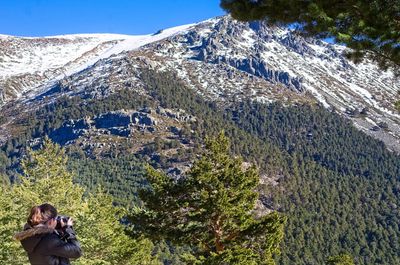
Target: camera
59	219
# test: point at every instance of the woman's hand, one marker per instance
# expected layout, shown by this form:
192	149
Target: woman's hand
70	222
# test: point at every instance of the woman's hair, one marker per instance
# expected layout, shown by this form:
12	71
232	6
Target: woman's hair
41	214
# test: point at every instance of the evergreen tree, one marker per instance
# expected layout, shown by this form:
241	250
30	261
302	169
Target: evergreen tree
111	244
11	251
210	209
341	259
97	224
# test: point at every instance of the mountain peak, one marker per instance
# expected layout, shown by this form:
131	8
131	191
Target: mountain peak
28	62
222	59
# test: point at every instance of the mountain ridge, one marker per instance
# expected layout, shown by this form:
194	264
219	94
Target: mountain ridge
226	61
92	46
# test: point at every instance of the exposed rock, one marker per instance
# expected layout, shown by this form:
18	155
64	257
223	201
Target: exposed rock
123	132
174	129
71	130
179	115
113	119
140	118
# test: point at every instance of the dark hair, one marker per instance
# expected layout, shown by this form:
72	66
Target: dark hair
41	214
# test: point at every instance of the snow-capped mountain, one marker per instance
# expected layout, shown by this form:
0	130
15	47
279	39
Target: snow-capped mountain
28	63
222	59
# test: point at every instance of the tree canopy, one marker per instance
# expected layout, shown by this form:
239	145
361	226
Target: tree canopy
370	28
211	210
341	259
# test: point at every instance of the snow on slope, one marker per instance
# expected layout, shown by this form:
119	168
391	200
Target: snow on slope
129	42
27	62
205	55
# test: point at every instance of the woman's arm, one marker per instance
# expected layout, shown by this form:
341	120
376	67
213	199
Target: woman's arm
60	248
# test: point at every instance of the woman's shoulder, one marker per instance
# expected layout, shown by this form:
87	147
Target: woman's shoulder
38	231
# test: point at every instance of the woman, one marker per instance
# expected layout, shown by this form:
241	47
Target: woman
43	242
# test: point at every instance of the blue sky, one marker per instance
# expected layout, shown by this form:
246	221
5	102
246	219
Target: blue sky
55	17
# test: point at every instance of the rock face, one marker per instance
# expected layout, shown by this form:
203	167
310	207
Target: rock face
257	67
179	115
143	119
223	60
210	48
119	123
113	119
124	119
70	131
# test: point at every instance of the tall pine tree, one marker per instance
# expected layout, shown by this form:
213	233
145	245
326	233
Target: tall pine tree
211	210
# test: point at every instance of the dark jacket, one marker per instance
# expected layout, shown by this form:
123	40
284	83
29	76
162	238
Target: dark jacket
45	246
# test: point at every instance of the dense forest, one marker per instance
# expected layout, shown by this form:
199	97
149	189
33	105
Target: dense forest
338	187
343	185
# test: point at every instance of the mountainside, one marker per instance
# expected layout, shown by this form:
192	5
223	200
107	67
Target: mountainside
223	60
34	64
295	107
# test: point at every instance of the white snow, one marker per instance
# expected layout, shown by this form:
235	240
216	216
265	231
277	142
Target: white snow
38	58
134	42
249	39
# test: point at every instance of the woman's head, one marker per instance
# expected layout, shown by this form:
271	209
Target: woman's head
41	214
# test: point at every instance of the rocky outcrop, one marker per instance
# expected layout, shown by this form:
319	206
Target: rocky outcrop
113	119
119	123
179	114
124	119
211	49
258	67
70	131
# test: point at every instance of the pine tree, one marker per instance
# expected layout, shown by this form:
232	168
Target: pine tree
341	259
11	251
397	105
97	224
111	244
210	209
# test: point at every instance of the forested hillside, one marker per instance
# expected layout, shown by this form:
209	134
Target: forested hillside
338	187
